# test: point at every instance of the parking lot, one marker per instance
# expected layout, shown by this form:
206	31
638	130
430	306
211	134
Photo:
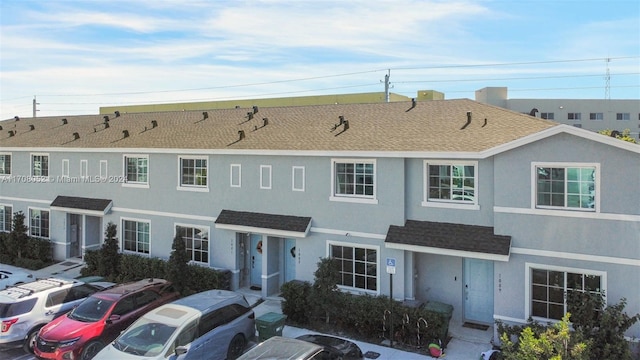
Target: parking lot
457	349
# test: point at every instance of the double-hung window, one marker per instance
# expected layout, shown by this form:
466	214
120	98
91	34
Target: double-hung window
570	186
135	236
193	173
549	287
574	116
451	182
136	169
5	164
5	218
39	223
358	266
354	180
196	239
39	165
547	115
596	116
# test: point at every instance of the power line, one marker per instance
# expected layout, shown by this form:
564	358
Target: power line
508	78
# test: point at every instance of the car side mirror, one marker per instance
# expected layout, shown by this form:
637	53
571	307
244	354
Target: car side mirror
180	350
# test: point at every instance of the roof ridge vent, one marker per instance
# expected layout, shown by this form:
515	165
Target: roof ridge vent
240	135
12	133
64	121
205	115
125	133
255	109
249	115
16	118
106	118
32	127
76	136
117	113
106	124
154	124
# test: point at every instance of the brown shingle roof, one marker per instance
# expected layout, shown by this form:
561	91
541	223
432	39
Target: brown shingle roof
435	125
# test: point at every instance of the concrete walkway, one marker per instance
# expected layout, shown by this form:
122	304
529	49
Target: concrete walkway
463	347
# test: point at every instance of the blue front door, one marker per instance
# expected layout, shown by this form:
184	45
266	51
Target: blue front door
256	261
289	259
478	290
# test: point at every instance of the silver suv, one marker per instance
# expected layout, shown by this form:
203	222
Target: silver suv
25	308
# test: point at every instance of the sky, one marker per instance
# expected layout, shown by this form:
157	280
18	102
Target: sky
74	56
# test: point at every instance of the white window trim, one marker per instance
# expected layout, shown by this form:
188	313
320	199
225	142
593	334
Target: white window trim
197	188
104	167
300	170
622	115
362	199
121	234
527	283
11	205
354	290
126	183
204	227
40	177
84	169
265	170
29	222
449	204
10	165
233	167
65	168
534	185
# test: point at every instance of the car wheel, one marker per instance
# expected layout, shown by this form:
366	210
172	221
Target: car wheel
236	347
91	349
30	342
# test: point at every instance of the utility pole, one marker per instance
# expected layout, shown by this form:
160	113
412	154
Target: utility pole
607	79
386	85
34	106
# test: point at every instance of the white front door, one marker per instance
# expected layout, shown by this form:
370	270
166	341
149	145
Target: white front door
478	291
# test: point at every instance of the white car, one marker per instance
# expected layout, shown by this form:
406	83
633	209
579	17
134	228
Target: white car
10	277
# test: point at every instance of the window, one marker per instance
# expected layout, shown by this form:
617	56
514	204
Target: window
549	288
354	179
236	175
265	177
596	116
358	266
297	178
65	167
136	169
136	236
39	165
103	169
39	223
547	115
5	218
574	116
623	116
451	182
5	164
84	168
567	187
193	172
196	240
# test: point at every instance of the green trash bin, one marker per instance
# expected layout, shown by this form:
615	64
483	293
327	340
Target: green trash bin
269	325
445	311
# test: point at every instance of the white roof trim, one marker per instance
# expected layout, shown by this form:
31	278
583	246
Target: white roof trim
447	252
264	231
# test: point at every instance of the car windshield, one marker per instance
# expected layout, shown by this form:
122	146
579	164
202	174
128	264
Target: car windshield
91	309
144	338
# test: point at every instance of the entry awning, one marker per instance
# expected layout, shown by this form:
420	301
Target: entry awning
268	224
81	205
470	241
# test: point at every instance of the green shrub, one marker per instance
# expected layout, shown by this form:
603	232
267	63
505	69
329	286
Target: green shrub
296	301
109	259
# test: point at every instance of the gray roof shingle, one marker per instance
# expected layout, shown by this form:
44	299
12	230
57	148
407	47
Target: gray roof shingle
264	221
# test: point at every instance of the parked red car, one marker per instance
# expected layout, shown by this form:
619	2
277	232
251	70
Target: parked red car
99	319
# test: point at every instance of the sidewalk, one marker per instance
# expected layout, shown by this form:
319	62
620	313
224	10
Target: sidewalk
457	349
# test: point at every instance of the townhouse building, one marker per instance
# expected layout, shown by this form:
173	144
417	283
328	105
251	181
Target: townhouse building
495	212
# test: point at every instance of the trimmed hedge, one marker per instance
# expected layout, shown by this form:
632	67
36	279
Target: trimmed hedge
134	267
361	316
37	253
